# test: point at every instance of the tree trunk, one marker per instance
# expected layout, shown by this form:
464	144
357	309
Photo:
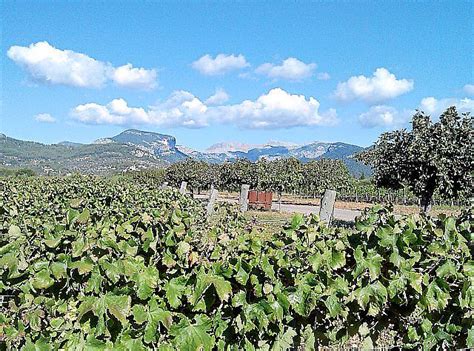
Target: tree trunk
425	203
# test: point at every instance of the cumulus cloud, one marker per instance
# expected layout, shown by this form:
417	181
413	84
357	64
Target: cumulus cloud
47	64
219	97
45	118
276	109
469	89
390	117
436	107
384	116
290	69
181	109
221	64
132	77
382	86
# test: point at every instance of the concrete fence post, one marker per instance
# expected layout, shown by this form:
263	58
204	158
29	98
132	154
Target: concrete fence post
182	188
244	197
326	210
212	201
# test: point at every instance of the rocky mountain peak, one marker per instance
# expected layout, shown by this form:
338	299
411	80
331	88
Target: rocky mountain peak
231	146
145	149
151	141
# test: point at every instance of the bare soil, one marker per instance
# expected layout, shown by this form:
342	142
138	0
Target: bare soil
359	206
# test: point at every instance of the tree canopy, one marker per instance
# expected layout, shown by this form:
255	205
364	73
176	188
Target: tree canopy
433	156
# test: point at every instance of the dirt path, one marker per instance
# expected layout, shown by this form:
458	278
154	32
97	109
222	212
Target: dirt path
344	210
342	214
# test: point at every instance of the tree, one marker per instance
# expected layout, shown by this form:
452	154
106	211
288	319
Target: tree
319	175
234	174
21	172
197	174
431	157
279	175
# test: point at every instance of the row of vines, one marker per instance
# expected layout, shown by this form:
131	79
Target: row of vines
288	176
117	264
283	175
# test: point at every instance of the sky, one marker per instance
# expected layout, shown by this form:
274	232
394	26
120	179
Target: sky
208	72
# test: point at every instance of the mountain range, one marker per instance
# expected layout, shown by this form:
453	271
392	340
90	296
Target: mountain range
135	149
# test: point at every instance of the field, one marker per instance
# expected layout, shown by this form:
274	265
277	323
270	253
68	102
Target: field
118	264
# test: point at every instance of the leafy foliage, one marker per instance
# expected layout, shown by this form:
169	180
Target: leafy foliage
234	174
20	172
317	176
197	174
287	175
432	157
110	264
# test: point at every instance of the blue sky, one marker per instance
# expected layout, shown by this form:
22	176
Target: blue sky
290	71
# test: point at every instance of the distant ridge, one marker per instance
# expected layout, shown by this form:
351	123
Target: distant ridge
69	143
136	149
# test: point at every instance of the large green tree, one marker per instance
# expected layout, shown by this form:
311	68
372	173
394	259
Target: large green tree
433	156
234	174
280	175
319	175
198	174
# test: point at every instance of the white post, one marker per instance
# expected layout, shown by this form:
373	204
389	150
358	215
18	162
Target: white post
327	206
182	189
212	201
244	197
164	185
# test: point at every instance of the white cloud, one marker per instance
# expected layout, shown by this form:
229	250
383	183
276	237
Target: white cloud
180	109
47	64
276	109
429	104
290	69
132	77
390	117
45	118
436	107
221	64
219	97
323	76
469	89
382	86
384	116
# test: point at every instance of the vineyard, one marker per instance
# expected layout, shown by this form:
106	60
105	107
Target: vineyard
91	263
287	176
238	175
